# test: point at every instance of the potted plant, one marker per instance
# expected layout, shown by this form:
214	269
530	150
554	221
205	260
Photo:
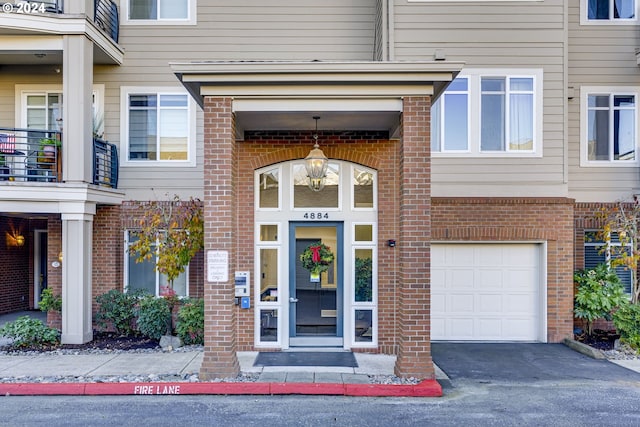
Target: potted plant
48	147
4	169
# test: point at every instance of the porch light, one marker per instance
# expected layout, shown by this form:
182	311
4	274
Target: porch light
20	240
316	163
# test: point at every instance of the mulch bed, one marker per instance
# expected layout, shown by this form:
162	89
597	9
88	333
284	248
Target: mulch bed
600	339
102	341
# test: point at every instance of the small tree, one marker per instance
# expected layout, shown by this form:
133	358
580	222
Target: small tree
598	295
623	220
171	232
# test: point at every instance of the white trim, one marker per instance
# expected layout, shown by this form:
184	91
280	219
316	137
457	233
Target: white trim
37	251
125	91
474	77
191	19
319	104
585	91
22	90
584	19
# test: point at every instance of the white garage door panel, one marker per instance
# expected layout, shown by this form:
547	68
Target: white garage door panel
485	292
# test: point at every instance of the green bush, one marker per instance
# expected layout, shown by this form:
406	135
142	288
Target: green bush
190	327
28	332
154	316
627	322
598	295
50	302
117	309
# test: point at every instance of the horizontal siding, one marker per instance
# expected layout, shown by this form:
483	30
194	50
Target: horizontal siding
238	30
602	55
491	35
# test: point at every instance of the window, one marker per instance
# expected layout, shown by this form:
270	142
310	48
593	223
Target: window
486	113
170	12
142	275
609	127
608	12
596	251
159	127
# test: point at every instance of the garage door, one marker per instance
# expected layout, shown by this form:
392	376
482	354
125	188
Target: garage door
486	292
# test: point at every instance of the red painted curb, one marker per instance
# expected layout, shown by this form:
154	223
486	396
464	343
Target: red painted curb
427	388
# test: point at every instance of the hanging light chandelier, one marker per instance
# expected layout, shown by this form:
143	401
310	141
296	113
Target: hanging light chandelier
316	163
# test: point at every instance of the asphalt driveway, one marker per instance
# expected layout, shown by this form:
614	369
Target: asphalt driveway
523	363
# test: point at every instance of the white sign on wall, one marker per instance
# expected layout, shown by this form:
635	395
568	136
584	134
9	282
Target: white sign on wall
217	266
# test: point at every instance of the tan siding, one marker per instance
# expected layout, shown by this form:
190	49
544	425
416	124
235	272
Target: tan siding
490	35
238	30
602	55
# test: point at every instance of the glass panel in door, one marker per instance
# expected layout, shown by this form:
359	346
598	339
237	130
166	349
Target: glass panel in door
315	308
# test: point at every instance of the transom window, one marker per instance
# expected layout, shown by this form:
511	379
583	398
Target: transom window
484	113
609	127
159	127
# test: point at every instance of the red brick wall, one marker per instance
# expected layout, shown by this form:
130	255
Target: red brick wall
519	219
14	266
221	229
54	275
371	149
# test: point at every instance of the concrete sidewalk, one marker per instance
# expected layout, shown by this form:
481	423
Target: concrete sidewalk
92	372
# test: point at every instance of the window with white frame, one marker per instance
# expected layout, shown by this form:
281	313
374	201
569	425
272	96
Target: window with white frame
142	276
159	127
597	251
609	129
607	12
167	12
489	113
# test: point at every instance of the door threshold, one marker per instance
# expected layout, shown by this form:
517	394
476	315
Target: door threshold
311	341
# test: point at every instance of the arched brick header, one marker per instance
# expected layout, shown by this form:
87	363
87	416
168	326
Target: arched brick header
336	146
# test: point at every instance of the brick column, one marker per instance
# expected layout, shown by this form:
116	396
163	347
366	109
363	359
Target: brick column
220	358
414	320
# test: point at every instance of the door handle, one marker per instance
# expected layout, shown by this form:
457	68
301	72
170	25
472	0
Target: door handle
292	299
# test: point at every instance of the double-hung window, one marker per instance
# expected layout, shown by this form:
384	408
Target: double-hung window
609	126
489	113
597	251
168	12
606	12
159	127
143	276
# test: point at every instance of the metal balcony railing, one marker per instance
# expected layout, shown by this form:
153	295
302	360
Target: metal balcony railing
106	17
30	155
35	155
105	163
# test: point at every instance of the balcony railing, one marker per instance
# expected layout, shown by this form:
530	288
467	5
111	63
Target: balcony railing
106	17
35	155
105	163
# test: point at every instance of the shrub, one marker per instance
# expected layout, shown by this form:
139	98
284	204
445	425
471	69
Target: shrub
50	302
190	327
28	332
117	309
154	317
627	321
599	293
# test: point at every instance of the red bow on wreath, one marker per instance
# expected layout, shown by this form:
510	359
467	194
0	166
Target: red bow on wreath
315	253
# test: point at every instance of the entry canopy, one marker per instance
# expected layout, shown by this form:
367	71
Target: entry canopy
284	95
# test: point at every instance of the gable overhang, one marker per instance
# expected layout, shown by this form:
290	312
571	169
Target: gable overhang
285	95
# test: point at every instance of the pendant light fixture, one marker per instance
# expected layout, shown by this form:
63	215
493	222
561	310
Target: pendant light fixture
316	163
